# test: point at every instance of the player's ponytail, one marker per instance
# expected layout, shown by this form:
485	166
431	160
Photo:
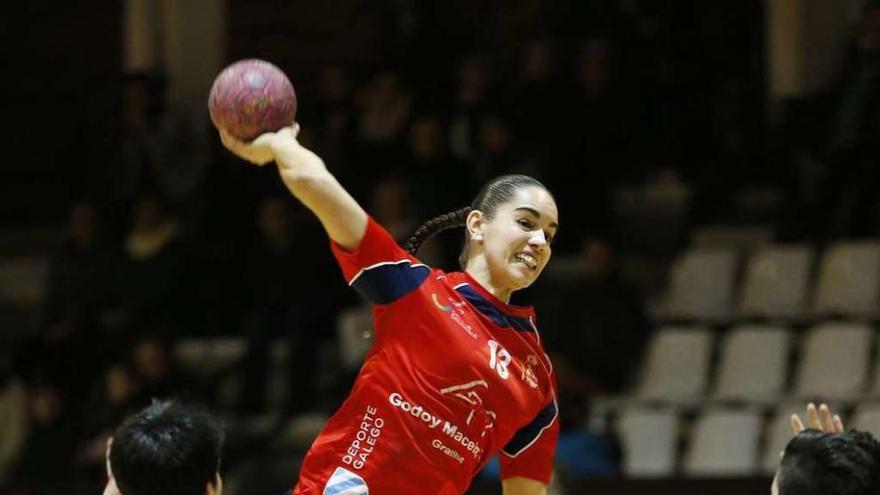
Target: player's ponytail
449	220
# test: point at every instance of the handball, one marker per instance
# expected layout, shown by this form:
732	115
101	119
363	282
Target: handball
251	97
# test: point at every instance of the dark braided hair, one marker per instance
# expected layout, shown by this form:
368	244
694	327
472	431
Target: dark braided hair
437	224
494	193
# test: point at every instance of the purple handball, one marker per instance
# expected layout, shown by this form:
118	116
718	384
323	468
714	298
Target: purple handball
251	97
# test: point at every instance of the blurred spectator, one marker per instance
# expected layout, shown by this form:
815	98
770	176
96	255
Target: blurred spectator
112	400
156	372
539	97
46	464
389	206
288	255
860	86
164	145
78	276
434	174
855	127
77	293
152	270
385	105
470	106
499	154
13	420
601	331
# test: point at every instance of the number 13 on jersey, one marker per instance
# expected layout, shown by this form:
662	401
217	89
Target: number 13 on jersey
499	358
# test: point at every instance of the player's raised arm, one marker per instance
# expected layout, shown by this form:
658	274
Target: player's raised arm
308	179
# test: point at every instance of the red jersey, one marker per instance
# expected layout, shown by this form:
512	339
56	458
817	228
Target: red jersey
454	376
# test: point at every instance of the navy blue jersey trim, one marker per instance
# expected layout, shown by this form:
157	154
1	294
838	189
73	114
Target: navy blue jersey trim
529	434
518	323
385	283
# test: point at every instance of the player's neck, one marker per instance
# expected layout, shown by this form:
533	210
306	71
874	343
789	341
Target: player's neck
478	269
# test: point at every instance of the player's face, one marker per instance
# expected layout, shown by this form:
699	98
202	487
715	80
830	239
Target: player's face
516	241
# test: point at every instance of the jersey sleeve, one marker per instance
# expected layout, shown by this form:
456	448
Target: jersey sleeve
529	454
378	268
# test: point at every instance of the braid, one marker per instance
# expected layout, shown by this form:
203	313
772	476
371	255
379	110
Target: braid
428	229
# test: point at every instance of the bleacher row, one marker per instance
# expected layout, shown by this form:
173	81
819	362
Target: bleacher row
749	332
791	283
684	417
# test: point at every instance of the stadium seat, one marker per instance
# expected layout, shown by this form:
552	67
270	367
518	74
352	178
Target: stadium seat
834	362
849	281
354	328
866	417
874	392
22	280
741	238
776	282
677	365
206	357
778	433
723	442
649	438
754	364
701	286
652	217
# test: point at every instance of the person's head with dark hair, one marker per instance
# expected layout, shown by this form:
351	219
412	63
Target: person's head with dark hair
166	449
508	230
825	463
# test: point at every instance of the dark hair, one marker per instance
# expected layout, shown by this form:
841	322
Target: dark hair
494	193
166	449
817	463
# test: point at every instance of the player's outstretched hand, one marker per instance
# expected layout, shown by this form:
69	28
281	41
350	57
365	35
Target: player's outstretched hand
817	419
261	150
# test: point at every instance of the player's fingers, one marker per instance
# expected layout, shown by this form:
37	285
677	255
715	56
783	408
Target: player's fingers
813	417
796	425
825	418
264	139
838	424
294	129
230	142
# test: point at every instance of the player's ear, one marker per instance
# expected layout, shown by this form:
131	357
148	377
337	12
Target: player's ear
474	224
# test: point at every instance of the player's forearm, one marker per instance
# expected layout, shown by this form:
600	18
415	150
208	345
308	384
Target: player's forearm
522	486
308	179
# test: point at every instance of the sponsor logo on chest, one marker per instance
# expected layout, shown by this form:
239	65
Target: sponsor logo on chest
433	422
456	313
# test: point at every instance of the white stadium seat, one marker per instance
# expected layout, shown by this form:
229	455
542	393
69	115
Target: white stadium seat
778	433
849	280
834	362
776	283
754	364
723	442
701	285
354	328
866	418
741	238
648	440
676	367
